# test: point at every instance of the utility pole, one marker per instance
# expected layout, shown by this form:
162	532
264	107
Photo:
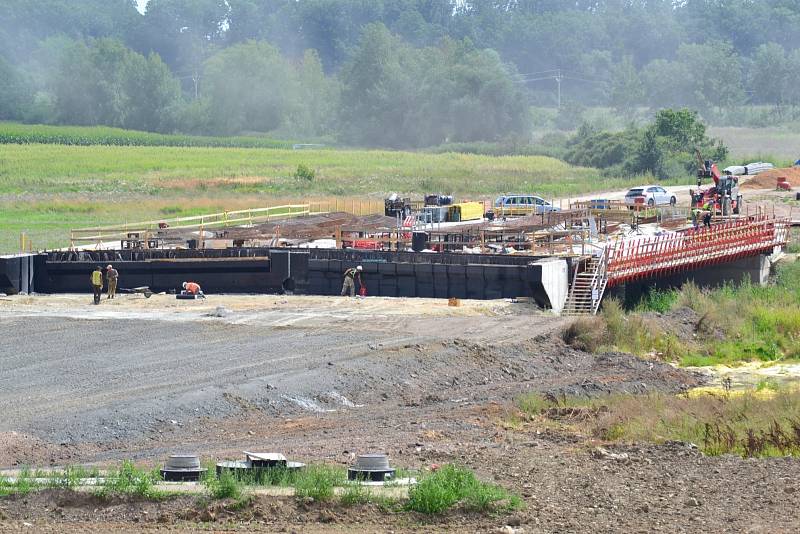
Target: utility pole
558	77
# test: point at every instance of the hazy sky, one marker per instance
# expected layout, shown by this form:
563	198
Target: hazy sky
142	4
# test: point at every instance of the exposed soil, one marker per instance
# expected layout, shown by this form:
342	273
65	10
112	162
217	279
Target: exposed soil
769	179
325	379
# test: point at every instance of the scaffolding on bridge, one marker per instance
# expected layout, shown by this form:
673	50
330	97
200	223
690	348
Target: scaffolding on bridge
650	256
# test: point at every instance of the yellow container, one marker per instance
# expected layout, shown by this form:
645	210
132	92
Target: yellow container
465	211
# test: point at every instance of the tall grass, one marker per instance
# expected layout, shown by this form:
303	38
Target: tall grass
452	485
734	323
317	482
131	480
761	422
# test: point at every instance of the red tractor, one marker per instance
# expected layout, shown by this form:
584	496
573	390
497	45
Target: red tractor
723	195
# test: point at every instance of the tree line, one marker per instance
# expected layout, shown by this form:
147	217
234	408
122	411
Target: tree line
398	73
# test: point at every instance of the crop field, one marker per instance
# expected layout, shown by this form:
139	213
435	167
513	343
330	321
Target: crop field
45	189
16	133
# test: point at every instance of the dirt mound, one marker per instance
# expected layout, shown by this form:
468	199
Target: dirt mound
20	449
769	179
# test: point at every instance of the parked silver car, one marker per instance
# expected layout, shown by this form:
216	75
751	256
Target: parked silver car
649	196
522	205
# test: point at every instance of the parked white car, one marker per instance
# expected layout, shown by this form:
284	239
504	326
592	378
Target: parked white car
649	196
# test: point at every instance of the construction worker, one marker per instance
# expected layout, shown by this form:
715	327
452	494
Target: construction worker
111	279
350	276
708	208
696	215
192	288
97	284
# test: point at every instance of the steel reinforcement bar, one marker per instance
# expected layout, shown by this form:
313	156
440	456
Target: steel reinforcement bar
665	254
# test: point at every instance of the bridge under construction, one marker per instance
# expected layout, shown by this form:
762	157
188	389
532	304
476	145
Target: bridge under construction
565	260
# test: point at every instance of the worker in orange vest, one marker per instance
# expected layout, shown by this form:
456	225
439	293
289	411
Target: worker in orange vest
192	288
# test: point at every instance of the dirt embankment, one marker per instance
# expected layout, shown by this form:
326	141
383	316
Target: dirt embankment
769	179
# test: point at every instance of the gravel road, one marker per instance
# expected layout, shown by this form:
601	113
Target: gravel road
100	380
75	373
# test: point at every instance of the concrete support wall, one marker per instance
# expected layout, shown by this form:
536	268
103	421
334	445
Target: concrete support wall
17	273
555	281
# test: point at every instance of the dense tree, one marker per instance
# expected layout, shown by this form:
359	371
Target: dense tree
627	90
771	76
250	87
185	33
103	82
319	99
668	83
24	23
14	92
397	95
444	70
716	74
663	148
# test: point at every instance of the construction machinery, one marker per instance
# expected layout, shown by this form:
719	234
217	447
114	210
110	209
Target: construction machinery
723	196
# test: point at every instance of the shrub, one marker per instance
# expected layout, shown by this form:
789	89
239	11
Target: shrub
130	480
317	482
304	172
658	301
533	403
226	486
584	334
355	493
444	488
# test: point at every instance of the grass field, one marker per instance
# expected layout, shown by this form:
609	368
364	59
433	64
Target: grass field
45	189
779	145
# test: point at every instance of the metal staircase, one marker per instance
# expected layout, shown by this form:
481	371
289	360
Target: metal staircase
588	287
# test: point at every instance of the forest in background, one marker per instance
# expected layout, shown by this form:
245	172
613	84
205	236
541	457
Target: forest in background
393	73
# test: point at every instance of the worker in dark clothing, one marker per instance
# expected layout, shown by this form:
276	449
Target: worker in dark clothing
97	284
111	278
350	277
708	207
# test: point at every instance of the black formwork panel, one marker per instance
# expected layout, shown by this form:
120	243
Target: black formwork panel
335	282
493	276
425	290
388	286
387	269
318	282
372	281
17	273
457	281
441	286
513	282
475	282
336	266
290	267
406	286
370	268
318	265
440	281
